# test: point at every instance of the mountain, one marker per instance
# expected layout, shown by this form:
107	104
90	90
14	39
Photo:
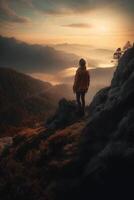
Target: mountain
15	86
78	158
24	101
30	58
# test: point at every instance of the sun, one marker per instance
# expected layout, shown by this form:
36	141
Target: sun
104	25
103	28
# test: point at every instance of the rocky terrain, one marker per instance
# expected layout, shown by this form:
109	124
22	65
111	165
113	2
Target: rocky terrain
74	158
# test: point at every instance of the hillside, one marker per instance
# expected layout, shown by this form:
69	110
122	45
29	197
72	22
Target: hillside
15	86
24	101
78	158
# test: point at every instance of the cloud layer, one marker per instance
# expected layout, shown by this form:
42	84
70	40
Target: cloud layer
78	25
59	7
33	58
7	14
68	6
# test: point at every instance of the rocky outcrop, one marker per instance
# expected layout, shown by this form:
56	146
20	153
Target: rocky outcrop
66	114
107	152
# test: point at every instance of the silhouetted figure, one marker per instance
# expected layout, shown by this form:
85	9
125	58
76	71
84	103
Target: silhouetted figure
81	85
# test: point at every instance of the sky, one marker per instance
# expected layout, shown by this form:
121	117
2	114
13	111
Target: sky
65	30
102	22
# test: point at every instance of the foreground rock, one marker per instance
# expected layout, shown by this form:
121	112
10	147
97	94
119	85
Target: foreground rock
66	114
107	152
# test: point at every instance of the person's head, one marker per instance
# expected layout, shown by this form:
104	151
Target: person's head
82	63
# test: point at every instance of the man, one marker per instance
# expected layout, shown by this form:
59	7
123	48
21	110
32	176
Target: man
81	85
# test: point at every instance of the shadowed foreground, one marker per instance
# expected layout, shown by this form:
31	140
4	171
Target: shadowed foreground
78	159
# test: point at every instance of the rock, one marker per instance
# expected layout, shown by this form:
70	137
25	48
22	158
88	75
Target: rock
124	68
98	101
107	152
65	115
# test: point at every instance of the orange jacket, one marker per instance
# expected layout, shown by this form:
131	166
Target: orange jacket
82	80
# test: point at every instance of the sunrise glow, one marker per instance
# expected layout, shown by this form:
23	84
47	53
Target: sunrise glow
68	30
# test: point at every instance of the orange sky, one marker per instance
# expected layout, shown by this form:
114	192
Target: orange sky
93	29
106	26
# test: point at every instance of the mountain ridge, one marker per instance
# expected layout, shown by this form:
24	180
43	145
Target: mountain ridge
29	58
24	100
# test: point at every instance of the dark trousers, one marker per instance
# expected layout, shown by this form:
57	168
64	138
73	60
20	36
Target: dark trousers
80	97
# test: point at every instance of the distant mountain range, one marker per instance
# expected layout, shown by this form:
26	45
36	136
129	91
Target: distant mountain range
94	55
31	58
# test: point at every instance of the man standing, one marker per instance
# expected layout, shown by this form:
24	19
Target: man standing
81	85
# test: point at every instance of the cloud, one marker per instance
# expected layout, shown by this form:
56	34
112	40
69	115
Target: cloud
95	56
8	8
33	58
9	15
78	6
59	7
78	25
